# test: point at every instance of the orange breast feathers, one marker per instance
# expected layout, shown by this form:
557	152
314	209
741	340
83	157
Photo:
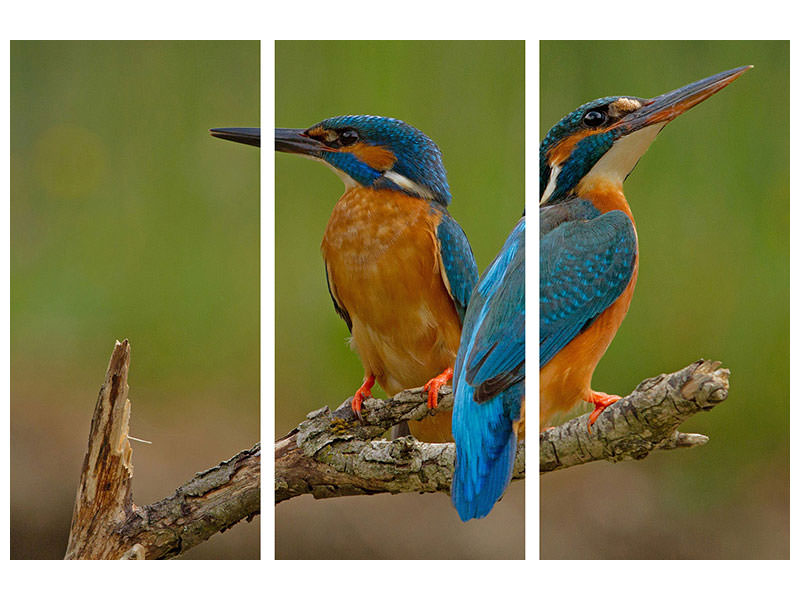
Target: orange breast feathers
384	269
606	195
567	378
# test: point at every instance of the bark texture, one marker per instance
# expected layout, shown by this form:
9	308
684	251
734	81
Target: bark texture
332	454
645	420
105	522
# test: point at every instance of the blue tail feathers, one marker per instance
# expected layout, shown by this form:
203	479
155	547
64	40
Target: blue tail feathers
489	382
484	458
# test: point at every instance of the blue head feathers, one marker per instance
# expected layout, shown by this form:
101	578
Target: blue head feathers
377	152
578	141
606	137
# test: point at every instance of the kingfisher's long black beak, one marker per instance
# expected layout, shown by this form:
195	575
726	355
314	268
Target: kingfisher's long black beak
243	135
666	107
296	141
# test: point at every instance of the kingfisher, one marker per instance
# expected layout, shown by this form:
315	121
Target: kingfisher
588	246
489	382
399	268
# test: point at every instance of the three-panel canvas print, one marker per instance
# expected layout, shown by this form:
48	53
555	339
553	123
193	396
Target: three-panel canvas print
332	278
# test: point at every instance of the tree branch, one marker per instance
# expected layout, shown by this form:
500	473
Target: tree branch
332	454
645	420
106	523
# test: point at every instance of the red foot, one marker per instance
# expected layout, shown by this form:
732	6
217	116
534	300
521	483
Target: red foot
365	391
432	387
601	402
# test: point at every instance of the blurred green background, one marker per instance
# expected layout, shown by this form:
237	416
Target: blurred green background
711	203
129	220
469	98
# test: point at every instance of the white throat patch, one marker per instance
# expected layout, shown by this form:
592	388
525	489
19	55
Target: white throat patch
616	164
349	182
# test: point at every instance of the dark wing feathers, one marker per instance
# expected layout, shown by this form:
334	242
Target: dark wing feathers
340	310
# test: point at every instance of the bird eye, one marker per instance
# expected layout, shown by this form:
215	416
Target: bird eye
594	118
348	137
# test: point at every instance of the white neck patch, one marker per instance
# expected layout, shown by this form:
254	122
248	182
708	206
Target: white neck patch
551	184
401	180
408	185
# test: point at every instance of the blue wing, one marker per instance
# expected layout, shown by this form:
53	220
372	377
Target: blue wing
489	382
586	260
458	260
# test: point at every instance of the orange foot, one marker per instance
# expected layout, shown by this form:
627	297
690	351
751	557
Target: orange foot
365	391
432	387
601	402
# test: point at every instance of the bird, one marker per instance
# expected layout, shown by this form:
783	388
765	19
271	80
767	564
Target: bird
588	245
399	268
489	382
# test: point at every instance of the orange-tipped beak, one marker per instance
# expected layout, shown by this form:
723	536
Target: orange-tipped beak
667	106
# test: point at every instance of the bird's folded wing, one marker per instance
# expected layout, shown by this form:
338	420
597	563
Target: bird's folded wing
460	271
340	310
497	356
584	266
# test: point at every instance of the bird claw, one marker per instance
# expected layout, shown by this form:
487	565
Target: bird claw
601	402
362	393
355	404
432	387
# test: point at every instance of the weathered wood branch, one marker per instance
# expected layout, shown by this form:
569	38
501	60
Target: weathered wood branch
106	523
645	420
332	454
